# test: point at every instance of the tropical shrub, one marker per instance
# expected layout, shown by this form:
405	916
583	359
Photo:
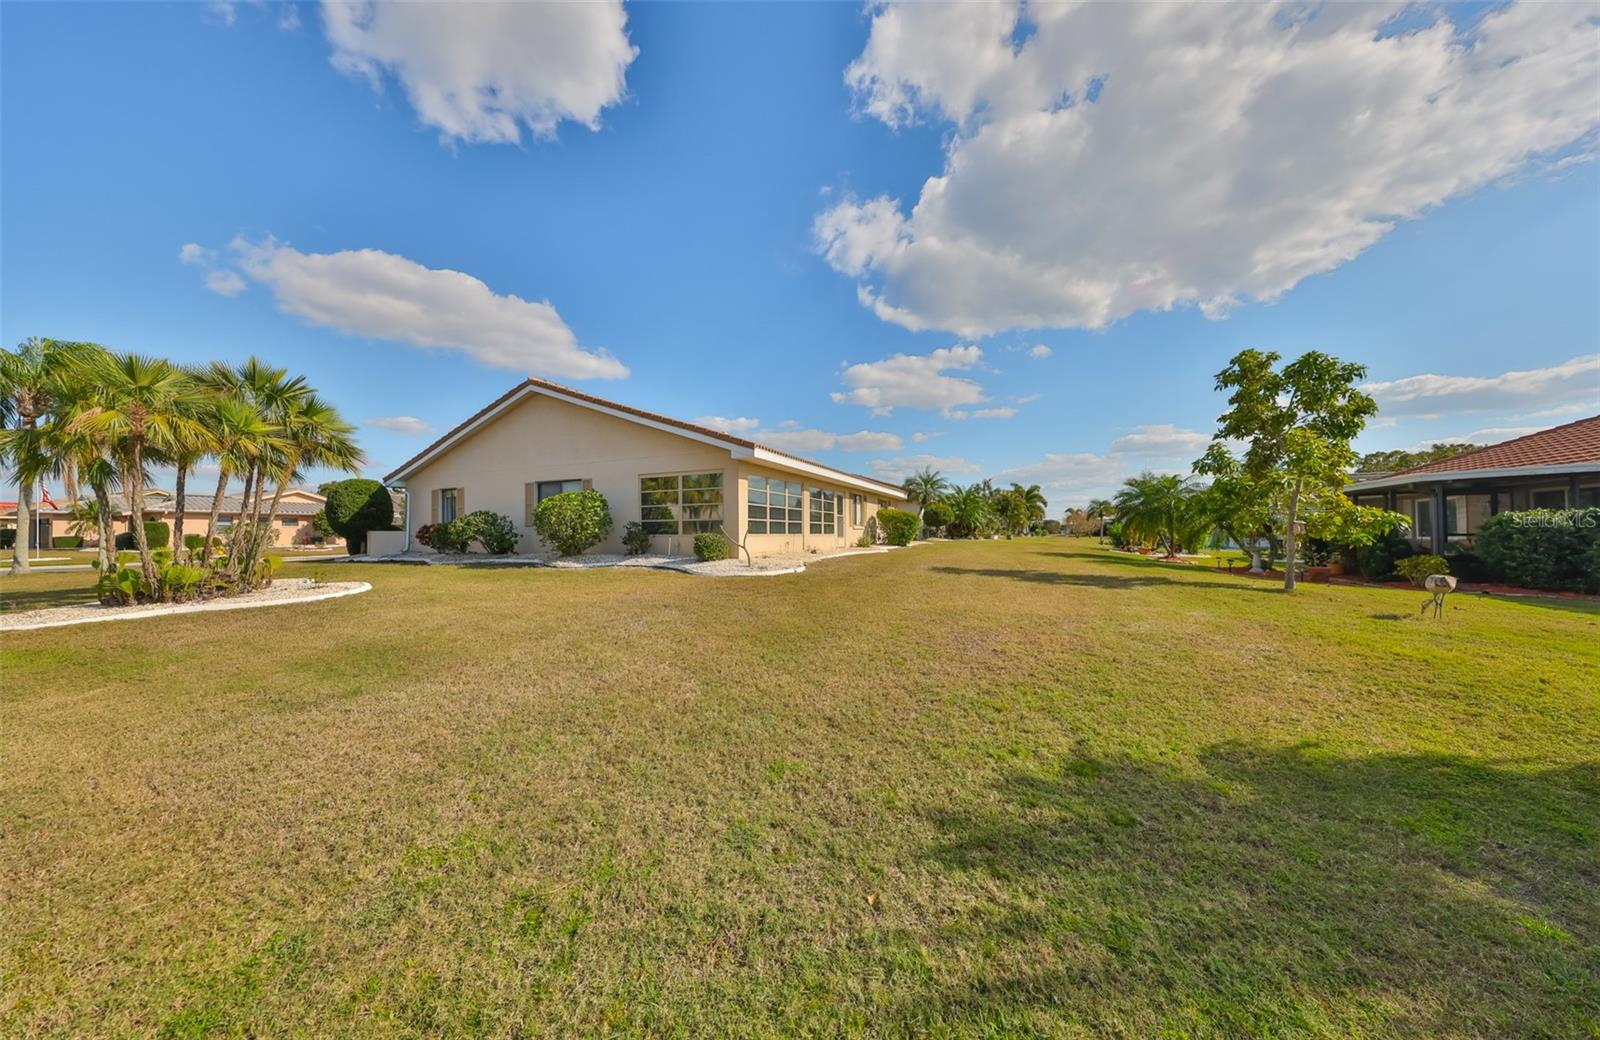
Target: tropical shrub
494	531
156	534
180	582
1415	568
121	587
451	537
635	539
573	521
899	526
1377	561
194	542
66	541
1557	549
1117	534
425	534
711	545
864	542
319	523
357	506
937	515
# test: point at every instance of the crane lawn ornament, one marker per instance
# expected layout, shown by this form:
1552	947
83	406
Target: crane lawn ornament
1439	586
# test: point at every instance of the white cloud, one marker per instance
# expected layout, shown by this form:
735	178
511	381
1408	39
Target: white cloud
366	292
898	469
919	437
407	424
289	17
1039	350
196	254
1129	157
1571	384
1564	409
1002	412
741	424
802	440
1164	440
1067	478
1486	436
913	381
480	72
225	283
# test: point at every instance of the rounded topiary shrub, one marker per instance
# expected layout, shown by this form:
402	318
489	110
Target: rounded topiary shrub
938	514
355	507
899	526
711	545
573	521
157	534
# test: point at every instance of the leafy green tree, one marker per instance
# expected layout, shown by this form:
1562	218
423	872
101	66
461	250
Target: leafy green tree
1163	508
29	380
926	486
937	514
1393	460
1297	423
357	506
971	510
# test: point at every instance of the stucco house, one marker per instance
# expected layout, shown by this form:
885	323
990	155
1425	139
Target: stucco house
53	516
677	478
1449	500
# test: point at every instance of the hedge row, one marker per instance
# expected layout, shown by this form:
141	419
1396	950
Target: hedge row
1557	549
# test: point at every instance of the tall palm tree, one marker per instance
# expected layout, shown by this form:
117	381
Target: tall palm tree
970	509
146	405
926	485
271	392
1033	501
190	446
241	436
313	436
1162	507
28	382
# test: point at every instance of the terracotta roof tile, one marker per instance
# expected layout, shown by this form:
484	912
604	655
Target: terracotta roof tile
1575	442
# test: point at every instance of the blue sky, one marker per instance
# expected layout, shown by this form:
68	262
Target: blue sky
733	204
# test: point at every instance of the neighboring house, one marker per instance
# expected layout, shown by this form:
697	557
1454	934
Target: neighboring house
1449	500
676	478
293	522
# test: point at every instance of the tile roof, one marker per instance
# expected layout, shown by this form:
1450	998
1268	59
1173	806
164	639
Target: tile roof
688	427
162	502
1573	443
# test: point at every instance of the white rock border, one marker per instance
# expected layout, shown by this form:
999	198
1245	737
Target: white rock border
728	568
330	590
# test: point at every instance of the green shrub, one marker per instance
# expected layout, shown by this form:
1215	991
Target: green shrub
711	545
1051	526
899	526
451	537
938	514
635	538
194	542
1377	561
494	531
1556	549
121	587
319	524
180	582
1415	568
573	521
864	542
1117	535
156	533
355	507
66	541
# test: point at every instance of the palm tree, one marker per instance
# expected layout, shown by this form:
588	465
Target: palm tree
271	392
241	436
926	485
186	452
1033	501
29	380
144	405
1162	508
314	436
970	509
1099	510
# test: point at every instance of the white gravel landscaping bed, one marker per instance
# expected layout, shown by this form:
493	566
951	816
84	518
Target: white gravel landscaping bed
281	591
764	566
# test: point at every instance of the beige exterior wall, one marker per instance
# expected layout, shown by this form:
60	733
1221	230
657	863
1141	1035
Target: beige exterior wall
848	529
541	438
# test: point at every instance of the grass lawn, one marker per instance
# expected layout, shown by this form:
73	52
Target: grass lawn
970	789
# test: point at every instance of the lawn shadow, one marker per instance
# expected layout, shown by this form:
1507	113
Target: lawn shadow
1282	891
1101	581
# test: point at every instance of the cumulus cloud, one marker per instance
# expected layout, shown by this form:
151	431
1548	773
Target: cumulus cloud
367	292
1129	157
1569	386
407	424
196	254
1066	478
898	469
913	381
1163	440
1001	412
225	282
1040	351
741	424
480	72
803	440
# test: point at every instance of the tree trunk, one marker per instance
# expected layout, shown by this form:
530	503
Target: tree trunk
1291	541
147	562
241	522
107	553
178	552
207	559
19	548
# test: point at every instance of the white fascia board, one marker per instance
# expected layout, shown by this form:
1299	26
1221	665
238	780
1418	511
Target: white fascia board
1452	476
777	461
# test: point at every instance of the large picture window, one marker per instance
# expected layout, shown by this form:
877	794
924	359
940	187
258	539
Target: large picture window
824	511
681	503
774	506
